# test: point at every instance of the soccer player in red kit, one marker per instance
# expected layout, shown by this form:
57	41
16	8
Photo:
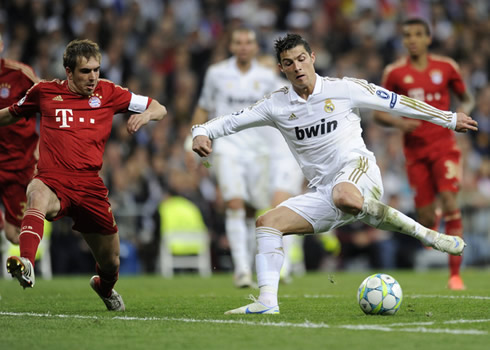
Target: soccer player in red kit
432	156
76	120
18	143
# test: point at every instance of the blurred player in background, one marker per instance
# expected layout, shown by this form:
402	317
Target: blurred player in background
433	158
319	118
240	162
18	146
76	120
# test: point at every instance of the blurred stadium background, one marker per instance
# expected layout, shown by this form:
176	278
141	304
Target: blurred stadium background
161	48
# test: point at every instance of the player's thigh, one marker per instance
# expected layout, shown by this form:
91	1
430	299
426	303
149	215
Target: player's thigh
317	208
447	172
363	173
91	211
285	220
421	181
41	195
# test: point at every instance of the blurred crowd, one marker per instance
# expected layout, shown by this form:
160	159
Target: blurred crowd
162	48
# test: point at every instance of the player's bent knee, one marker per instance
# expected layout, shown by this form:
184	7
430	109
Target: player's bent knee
347	198
266	220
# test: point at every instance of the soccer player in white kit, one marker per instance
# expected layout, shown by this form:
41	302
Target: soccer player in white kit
319	118
240	162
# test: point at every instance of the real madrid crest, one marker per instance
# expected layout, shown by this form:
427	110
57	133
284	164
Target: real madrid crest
94	101
329	106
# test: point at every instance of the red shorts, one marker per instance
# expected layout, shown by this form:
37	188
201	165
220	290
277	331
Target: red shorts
13	185
434	173
83	197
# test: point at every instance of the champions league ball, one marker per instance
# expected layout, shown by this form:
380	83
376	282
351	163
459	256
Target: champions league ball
380	294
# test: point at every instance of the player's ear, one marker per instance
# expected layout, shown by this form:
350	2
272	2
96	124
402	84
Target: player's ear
280	67
313	57
69	73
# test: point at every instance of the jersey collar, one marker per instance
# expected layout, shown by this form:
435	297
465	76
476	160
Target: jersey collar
294	97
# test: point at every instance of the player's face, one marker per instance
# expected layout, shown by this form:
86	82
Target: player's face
416	39
243	46
298	67
83	80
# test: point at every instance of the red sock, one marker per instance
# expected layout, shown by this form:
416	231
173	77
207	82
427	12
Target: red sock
31	233
107	281
454	227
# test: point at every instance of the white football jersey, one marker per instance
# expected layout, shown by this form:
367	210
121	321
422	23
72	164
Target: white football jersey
324	130
226	89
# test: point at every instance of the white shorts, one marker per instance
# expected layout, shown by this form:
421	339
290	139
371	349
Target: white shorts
244	177
317	206
286	175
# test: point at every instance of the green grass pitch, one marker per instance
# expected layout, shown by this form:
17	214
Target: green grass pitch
318	311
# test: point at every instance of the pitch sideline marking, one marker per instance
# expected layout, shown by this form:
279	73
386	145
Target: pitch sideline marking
306	324
414	296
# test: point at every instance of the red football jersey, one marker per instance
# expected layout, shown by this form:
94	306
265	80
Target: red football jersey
432	86
17	141
75	128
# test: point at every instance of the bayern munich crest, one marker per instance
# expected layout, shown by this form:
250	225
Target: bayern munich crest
4	92
94	102
436	76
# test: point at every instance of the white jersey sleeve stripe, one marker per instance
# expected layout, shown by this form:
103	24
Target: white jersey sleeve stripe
138	103
410	102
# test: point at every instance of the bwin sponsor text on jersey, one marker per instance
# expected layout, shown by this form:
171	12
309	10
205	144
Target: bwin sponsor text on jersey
315	130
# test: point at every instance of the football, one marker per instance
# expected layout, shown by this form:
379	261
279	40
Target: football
380	294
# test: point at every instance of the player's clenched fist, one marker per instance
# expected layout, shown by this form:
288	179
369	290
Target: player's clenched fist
202	145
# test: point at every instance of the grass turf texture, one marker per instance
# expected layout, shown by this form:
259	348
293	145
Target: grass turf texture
317	311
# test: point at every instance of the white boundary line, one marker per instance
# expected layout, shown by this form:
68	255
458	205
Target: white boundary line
306	324
414	296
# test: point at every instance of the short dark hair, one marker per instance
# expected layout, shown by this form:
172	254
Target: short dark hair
77	49
417	20
288	42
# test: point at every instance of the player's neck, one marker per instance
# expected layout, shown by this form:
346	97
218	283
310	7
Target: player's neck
243	67
420	62
305	91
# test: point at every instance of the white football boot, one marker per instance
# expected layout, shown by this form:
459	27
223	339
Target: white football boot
114	302
453	245
22	269
255	308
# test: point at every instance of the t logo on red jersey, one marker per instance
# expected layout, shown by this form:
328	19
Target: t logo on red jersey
67	116
64	117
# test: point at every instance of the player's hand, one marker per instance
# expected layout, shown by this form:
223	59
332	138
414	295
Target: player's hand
465	123
202	145
408	125
136	121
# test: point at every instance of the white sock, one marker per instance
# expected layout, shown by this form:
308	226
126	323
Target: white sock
269	259
236	232
251	240
384	217
287	242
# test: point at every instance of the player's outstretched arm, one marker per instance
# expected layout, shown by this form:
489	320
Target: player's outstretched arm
155	111
465	123
6	118
201	144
